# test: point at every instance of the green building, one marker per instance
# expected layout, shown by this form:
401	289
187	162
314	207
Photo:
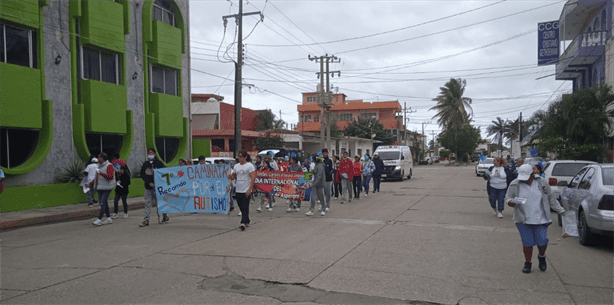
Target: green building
83	77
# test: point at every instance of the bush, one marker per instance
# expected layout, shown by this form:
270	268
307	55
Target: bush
73	173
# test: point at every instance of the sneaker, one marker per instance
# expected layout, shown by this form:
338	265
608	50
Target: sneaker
323	213
289	210
366	194
500	215
165	219
144	223
239	214
297	210
242	227
125	215
259	209
98	222
267	206
342	202
108	221
326	209
113	215
309	213
270	209
494	211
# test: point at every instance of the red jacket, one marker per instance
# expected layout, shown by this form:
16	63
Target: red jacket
357	168
346	167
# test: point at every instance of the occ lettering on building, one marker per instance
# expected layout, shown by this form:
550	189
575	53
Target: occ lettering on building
548	43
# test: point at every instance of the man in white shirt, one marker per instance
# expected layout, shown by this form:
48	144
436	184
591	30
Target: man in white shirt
244	173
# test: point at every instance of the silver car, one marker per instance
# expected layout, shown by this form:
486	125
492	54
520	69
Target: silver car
482	166
562	170
591	195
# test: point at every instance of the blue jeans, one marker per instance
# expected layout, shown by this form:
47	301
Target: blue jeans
103	197
533	235
365	183
497	198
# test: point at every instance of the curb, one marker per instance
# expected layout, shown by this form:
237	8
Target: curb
57	218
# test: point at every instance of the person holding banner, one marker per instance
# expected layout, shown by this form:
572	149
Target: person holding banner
147	174
294	205
264	166
245	174
346	170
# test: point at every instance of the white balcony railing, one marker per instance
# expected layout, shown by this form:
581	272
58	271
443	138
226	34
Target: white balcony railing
594	39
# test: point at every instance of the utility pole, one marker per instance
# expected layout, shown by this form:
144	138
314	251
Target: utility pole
435	146
324	99
238	72
405	111
520	133
423	135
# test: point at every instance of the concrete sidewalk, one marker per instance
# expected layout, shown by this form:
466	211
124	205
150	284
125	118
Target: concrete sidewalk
79	211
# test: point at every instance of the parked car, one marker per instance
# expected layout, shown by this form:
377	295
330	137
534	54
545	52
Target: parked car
591	195
398	161
562	170
482	166
532	161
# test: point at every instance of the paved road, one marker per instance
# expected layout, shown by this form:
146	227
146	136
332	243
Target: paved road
429	239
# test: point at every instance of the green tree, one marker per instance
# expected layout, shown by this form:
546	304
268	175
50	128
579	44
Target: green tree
334	130
269	139
453	109
465	140
576	125
431	144
267	121
364	128
498	129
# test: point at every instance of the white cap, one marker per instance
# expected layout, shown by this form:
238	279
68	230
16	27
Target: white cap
95	160
524	172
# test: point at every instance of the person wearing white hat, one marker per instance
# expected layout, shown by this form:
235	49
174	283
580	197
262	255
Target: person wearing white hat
531	197
88	181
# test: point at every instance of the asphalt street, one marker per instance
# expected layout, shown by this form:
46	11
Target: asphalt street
431	239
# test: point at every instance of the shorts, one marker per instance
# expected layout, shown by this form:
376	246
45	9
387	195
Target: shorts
533	235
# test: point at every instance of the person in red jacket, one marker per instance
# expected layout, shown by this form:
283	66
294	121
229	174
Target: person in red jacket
357	180
346	169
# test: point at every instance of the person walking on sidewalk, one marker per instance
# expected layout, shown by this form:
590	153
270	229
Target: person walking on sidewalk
317	188
121	190
89	179
369	167
245	174
337	178
357	180
105	182
147	174
532	199
294	205
346	170
377	173
328	172
499	177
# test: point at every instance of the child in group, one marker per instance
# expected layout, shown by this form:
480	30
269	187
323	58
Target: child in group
265	166
294	205
121	190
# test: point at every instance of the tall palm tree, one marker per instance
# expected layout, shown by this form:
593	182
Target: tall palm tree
453	110
498	129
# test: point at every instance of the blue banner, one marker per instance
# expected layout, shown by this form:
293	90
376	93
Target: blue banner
548	43
197	188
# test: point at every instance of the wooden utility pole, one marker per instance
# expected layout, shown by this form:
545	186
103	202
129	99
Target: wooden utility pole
324	99
238	71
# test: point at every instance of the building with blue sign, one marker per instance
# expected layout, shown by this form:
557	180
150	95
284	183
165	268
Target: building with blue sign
584	29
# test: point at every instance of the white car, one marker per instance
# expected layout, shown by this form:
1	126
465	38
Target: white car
562	170
482	166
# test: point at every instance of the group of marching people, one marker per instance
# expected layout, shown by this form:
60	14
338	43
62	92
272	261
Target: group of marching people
336	176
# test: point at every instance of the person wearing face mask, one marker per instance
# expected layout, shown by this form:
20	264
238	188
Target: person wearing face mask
147	174
105	182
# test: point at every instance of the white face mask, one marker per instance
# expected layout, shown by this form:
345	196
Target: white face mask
151	157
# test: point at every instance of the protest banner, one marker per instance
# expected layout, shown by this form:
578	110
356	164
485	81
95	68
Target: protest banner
287	185
197	188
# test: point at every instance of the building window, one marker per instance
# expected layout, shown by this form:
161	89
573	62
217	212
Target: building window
167	148
347	117
312	99
18	46
100	65
16	146
316	118
368	116
307	118
163	80
162	11
108	143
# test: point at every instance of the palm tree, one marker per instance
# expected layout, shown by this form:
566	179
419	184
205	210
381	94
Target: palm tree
499	129
267	121
452	106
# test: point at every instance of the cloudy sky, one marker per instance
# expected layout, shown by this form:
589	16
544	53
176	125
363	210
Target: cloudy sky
401	50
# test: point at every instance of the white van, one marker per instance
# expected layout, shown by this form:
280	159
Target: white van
398	161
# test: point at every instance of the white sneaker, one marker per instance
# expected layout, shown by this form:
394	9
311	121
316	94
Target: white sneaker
297	210
125	215
326	209
309	213
270	209
108	221
267	206
289	210
500	215
366	194
259	209
239	214
98	222
113	215
323	213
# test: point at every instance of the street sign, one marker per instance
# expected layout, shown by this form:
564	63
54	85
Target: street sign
548	43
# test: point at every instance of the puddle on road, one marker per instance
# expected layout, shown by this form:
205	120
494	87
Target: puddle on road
291	292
